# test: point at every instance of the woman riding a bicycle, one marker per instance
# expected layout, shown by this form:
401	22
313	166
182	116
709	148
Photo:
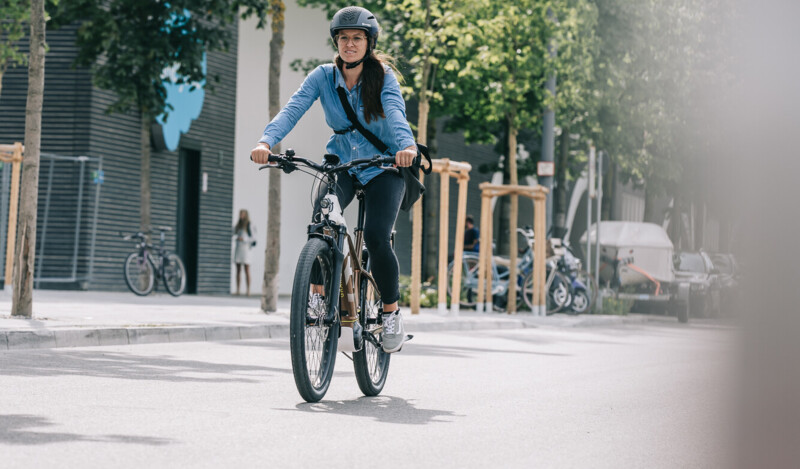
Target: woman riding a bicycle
369	81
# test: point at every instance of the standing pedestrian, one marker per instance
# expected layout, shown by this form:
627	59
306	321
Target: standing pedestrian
244	231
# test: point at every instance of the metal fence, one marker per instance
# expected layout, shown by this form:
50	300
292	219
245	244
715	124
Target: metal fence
69	194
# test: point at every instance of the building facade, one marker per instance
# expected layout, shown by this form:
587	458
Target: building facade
192	187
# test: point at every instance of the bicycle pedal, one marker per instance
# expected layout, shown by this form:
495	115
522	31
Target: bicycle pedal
408	337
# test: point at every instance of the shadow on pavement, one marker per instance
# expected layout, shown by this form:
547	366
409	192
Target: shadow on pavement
465	352
14	430
129	366
388	409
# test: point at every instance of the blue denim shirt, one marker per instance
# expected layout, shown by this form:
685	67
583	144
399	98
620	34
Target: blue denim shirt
321	83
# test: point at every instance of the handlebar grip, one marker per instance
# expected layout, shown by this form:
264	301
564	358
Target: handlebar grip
274	158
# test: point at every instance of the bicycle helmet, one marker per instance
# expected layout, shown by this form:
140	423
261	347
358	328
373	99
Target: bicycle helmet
356	18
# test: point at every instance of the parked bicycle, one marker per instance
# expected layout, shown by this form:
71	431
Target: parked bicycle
148	264
567	286
335	304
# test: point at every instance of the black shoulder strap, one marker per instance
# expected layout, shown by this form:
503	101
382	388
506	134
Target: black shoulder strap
351	115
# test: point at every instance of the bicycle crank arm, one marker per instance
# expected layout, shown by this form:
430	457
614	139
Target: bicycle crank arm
370	337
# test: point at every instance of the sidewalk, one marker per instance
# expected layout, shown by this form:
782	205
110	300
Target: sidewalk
81	319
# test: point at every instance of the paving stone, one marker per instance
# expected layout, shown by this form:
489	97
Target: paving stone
219	333
279	331
255	332
112	336
30	339
77	337
148	335
187	334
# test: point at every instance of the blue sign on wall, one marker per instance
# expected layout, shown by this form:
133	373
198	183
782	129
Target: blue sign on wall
186	100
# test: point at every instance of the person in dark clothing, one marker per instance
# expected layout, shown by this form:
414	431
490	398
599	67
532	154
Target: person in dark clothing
472	236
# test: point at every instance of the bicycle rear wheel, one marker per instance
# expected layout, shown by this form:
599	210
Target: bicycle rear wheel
590	282
174	275
469	280
371	363
139	274
313	340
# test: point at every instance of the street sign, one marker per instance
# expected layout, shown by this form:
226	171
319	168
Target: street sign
98	176
546	168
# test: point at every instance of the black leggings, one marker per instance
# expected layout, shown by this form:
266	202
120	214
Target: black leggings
382	197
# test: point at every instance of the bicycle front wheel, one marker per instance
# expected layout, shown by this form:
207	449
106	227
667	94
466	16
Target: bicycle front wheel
139	274
371	363
312	338
174	275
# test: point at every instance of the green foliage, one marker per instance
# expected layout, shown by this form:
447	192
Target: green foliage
14	16
629	73
307	65
616	307
654	60
428	297
128	43
502	78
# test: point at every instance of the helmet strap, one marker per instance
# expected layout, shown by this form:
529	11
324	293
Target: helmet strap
359	61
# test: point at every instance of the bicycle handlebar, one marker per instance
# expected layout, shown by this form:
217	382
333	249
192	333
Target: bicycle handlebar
288	162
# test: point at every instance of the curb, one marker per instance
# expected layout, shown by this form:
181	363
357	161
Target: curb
85	337
103	336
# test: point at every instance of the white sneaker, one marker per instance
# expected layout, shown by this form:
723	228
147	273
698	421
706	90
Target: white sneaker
393	332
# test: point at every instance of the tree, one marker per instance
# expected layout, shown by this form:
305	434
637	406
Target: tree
269	294
25	250
654	61
129	43
13	16
502	82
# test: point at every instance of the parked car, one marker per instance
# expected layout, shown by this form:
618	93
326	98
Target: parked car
728	274
698	270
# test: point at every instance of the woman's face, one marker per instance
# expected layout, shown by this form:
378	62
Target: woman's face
242	214
352	44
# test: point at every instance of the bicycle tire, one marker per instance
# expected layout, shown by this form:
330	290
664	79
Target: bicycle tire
558	295
591	285
527	292
371	363
312	344
139	274
469	281
174	274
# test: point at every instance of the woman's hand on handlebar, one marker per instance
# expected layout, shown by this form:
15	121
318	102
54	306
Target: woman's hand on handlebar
405	157
261	153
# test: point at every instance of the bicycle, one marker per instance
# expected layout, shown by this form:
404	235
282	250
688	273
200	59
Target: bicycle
143	269
558	285
335	302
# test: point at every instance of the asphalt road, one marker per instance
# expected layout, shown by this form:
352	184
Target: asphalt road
651	395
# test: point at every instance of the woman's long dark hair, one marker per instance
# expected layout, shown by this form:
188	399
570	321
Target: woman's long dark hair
372	76
243	223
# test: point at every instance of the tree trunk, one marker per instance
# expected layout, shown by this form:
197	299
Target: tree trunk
24	255
269	291
502	206
560	196
416	227
430	215
512	219
144	181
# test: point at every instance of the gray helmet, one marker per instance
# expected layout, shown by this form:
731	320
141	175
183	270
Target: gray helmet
355	18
